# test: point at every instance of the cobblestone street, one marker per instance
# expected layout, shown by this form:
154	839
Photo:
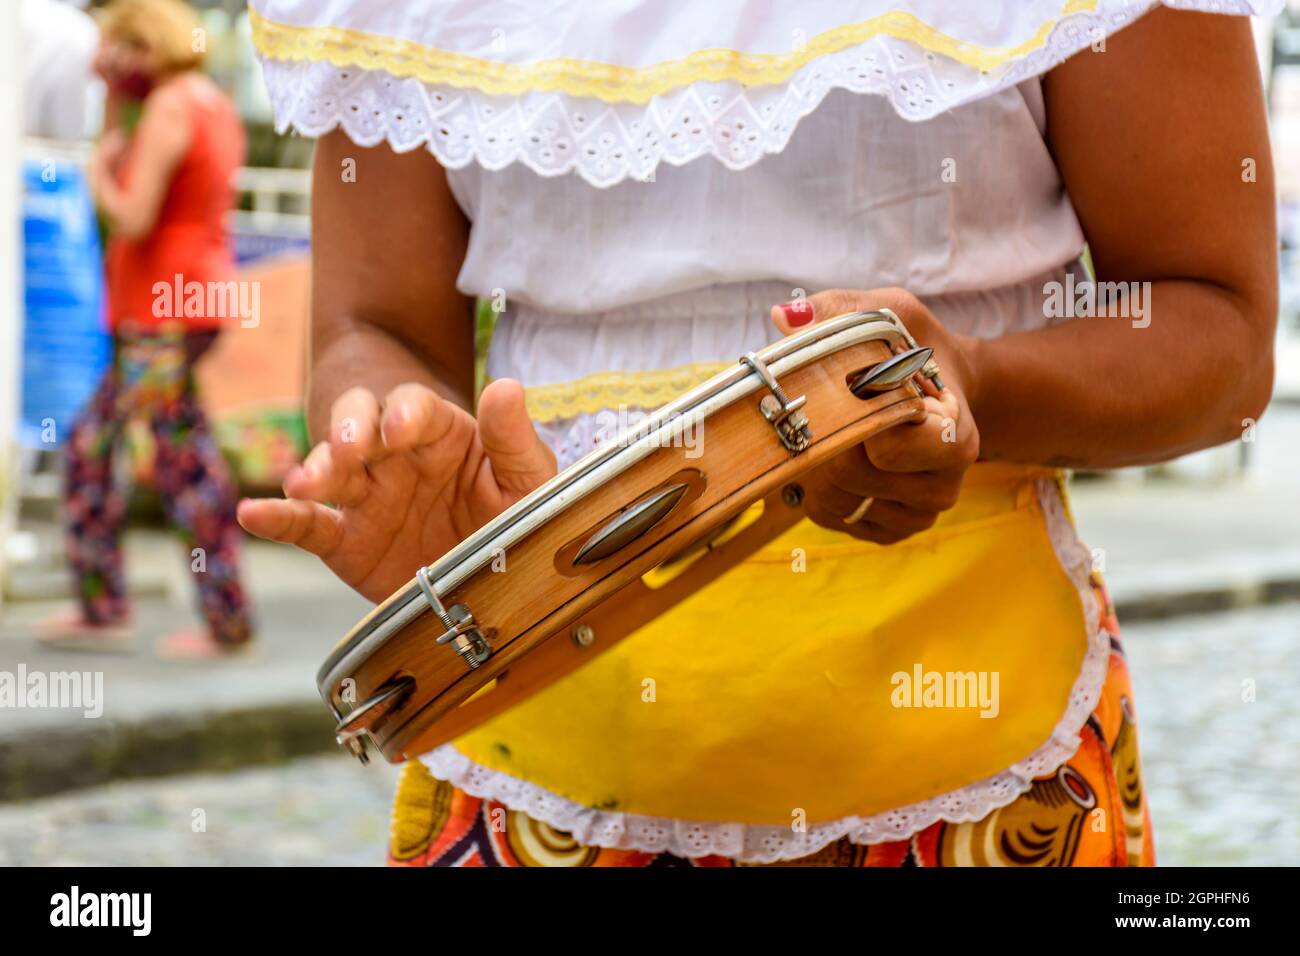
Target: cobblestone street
1223	774
322	810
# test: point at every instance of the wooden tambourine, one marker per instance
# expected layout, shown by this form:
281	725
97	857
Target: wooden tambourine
466	640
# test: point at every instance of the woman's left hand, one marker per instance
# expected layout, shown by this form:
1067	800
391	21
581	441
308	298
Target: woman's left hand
104	161
912	472
111	148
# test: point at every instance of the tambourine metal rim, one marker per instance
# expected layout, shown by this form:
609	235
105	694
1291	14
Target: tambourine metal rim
591	471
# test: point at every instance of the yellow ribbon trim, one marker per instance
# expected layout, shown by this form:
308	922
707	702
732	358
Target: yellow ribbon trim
612	390
609	82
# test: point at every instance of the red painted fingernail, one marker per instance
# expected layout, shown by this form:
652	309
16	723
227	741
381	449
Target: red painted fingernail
797	313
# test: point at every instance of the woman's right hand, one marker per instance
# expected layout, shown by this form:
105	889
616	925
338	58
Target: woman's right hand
399	483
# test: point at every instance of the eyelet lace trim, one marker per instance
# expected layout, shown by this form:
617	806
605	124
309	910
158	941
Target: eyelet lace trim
613	82
555	133
766	844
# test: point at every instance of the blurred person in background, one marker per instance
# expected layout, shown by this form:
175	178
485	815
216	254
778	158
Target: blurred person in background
62	99
161	176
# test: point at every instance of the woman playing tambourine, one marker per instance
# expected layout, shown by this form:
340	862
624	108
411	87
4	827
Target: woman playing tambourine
647	191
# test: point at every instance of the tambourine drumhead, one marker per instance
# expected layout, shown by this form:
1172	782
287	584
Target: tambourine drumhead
461	642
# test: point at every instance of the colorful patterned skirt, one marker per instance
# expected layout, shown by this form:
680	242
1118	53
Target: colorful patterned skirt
1092	811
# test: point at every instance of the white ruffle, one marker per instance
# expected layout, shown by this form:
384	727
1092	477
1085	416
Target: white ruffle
765	844
554	133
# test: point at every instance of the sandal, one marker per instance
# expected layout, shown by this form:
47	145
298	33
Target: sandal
69	630
192	645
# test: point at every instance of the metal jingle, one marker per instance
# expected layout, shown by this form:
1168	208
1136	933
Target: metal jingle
630	524
890	373
357	749
360	719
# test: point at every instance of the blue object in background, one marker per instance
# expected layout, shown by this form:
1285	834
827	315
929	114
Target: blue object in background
65	346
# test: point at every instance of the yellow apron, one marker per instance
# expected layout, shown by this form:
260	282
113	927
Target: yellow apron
825	677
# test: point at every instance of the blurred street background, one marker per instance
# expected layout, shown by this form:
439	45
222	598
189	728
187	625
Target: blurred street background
232	761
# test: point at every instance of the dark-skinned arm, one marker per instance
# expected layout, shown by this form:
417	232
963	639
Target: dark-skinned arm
1152	138
386	249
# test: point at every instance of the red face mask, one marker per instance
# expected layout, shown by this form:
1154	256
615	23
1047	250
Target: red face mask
134	85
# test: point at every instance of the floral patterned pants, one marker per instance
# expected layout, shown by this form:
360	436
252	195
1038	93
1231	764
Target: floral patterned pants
152	378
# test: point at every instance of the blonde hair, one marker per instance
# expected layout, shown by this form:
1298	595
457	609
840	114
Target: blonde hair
169	28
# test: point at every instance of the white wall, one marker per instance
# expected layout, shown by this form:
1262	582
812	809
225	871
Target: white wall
11	79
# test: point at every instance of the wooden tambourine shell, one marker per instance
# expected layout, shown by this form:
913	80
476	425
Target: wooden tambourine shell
466	640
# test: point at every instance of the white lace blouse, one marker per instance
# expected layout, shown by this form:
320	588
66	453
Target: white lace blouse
860	198
966	210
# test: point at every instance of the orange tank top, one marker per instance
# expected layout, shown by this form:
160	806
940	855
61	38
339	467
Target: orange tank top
188	250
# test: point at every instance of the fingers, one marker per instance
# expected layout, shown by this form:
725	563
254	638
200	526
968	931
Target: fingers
790	316
414	415
936	444
354	425
411	414
364	432
854	474
328	478
931	444
903	503
889	521
884	521
826	503
306	524
520	460
914	471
